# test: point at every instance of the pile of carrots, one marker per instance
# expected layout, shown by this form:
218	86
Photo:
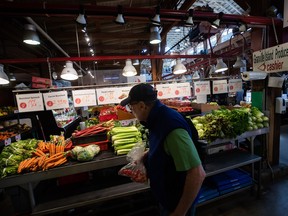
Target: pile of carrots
42	161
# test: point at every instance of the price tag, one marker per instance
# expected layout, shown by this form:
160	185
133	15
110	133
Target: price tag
56	100
220	86
112	95
165	91
30	102
7	142
235	85
202	88
82	98
18	137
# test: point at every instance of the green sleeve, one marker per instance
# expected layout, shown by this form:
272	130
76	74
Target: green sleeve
180	146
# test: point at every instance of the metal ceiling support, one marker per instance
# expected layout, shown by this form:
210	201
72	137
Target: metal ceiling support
58	10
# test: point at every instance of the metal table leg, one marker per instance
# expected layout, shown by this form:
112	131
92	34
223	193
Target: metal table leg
31	195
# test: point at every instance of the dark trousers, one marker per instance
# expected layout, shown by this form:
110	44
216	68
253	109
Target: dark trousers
165	212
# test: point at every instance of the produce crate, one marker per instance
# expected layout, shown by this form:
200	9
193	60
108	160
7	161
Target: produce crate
100	137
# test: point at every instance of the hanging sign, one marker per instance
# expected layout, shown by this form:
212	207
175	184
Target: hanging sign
219	86
30	102
173	90
112	95
273	59
182	89
56	100
201	88
86	97
235	85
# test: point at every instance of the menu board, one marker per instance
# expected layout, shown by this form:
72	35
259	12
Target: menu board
220	86
202	88
56	100
112	95
173	90
82	98
235	85
30	102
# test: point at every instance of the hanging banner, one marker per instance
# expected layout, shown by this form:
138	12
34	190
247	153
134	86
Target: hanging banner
235	85
202	88
271	60
112	95
220	86
30	102
82	98
173	90
56	100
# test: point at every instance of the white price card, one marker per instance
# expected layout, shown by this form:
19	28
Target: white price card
220	86
202	88
112	95
165	91
85	97
7	142
56	100
235	85
29	102
182	90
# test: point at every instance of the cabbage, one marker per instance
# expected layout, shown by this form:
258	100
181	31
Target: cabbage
85	153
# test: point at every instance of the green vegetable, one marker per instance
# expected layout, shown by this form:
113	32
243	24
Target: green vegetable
125	135
126	141
117	130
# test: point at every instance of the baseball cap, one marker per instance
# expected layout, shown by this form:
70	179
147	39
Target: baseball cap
141	92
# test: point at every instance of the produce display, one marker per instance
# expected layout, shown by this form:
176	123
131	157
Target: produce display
124	138
4	111
85	153
13	131
226	123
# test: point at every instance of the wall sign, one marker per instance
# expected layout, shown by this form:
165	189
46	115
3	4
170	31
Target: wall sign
202	88
219	86
83	98
30	102
56	100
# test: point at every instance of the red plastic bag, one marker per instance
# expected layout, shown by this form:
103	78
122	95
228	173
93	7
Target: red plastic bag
135	169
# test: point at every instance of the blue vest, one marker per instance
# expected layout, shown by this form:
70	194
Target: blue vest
166	183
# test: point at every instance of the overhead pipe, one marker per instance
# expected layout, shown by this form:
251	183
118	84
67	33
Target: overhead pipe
59	10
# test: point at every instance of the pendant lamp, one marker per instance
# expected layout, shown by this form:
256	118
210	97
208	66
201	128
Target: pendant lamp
69	73
30	35
129	70
221	66
189	21
155	37
156	19
179	68
239	63
135	62
3	76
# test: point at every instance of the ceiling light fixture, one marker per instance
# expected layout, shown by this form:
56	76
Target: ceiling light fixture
129	70
120	19
81	19
69	73
179	68
239	63
12	78
156	19
3	76
189	21
30	35
155	37
196	75
212	70
221	66
216	23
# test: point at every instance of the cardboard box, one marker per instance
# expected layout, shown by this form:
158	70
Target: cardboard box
41	80
204	108
39	86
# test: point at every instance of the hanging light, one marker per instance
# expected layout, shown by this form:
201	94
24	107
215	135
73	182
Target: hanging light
221	66
120	19
212	70
216	23
135	62
189	21
156	19
81	19
179	68
129	70
30	35
239	63
155	37
196	75
69	73
12	78
3	76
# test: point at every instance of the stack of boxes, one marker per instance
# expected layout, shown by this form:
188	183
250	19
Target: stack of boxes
39	82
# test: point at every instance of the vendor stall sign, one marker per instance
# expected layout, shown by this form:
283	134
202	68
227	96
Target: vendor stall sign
271	60
56	100
173	90
202	88
85	97
220	86
112	95
29	102
235	85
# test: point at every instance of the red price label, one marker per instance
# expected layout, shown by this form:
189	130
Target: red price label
77	100
177	92
215	89
101	98
23	105
197	90
49	103
231	87
160	93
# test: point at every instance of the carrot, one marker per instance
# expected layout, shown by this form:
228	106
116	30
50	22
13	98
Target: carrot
54	164
21	165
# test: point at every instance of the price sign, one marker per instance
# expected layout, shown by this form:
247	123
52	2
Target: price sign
165	91
112	95
220	86
30	102
235	85
83	98
7	142
18	137
202	88
182	89
56	100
